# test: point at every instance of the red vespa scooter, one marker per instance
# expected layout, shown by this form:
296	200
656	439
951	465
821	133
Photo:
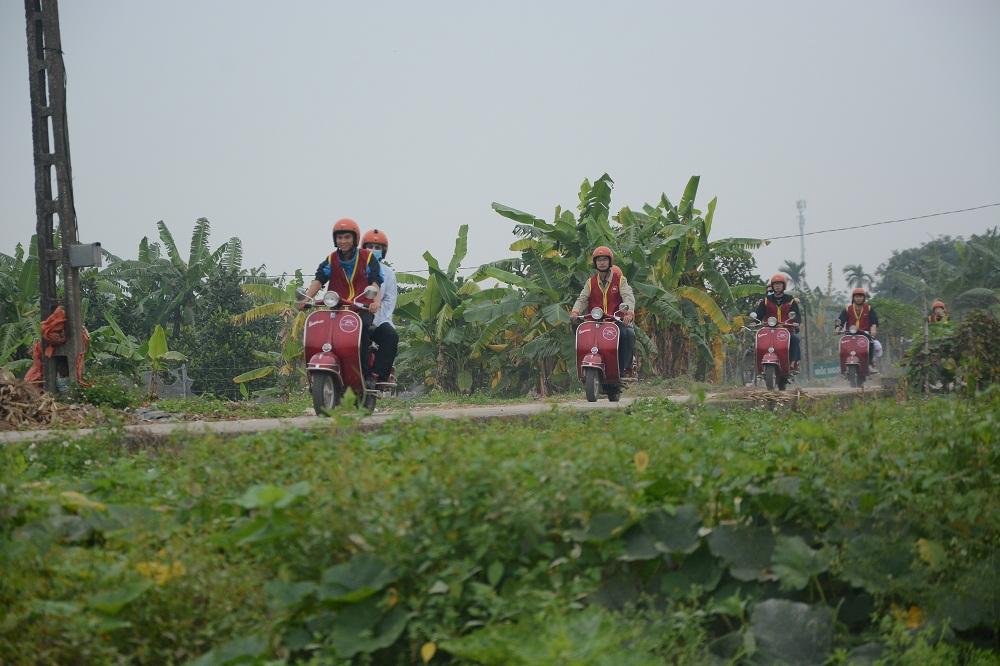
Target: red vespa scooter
332	341
774	341
854	356
597	355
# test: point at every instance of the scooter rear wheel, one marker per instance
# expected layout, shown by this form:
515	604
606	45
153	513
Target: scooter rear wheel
590	382
326	393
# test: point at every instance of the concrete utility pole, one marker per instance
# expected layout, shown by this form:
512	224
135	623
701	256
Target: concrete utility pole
801	205
53	175
807	355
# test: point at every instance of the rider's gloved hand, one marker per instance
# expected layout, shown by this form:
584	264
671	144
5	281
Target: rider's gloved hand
628	316
574	314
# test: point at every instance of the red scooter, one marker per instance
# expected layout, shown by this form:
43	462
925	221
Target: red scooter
597	355
854	356
332	341
774	340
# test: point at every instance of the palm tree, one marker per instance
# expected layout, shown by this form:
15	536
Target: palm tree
856	276
796	272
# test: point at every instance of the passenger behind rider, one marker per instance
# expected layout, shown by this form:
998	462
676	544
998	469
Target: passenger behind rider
383	329
860	313
609	290
348	271
779	304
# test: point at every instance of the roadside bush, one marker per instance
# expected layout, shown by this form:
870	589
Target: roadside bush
108	391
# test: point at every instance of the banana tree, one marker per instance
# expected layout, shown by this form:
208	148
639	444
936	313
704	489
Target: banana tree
157	356
165	288
436	337
18	304
276	300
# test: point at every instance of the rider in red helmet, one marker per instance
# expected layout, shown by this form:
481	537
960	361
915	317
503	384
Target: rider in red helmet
349	270
609	290
777	303
861	314
383	329
939	313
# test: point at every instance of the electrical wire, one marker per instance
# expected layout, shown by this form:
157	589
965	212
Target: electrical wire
875	224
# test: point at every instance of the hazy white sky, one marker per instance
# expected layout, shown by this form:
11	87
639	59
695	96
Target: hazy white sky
273	120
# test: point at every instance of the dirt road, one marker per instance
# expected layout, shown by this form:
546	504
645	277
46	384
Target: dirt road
733	397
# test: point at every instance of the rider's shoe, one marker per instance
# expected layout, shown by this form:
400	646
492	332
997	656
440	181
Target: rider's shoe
873	369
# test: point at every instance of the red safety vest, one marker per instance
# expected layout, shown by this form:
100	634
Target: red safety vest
776	310
350	287
608	299
859	316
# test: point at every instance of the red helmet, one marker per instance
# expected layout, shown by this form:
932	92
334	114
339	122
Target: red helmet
938	304
778	277
602	251
859	290
349	225
378	237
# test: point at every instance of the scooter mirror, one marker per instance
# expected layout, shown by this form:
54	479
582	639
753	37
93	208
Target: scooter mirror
791	315
753	315
300	293
371	291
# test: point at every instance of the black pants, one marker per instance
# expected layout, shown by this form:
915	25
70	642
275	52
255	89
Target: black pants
387	339
626	347
794	350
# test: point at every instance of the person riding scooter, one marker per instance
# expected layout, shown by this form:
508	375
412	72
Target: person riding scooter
778	304
939	313
383	329
609	290
861	314
348	271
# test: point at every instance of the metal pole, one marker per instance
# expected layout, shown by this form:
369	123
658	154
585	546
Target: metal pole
50	138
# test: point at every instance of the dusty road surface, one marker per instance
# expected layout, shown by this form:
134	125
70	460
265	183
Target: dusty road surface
733	397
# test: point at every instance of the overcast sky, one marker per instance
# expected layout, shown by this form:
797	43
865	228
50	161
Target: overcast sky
273	120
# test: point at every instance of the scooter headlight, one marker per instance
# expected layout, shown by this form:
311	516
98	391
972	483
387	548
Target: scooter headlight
597	313
772	321
331	298
853	329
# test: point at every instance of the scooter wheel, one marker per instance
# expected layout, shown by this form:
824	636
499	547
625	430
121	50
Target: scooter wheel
326	393
590	381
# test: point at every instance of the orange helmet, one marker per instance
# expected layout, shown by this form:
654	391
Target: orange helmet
376	236
778	277
859	290
938	304
602	251
349	225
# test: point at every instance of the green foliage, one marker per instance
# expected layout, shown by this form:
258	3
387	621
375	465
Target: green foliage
108	391
733	536
966	354
965	273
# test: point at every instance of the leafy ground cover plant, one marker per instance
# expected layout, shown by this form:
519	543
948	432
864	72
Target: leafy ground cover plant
691	536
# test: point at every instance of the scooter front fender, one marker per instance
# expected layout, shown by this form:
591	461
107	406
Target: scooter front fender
770	358
325	362
592	361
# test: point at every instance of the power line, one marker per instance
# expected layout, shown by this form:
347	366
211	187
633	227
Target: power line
875	224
